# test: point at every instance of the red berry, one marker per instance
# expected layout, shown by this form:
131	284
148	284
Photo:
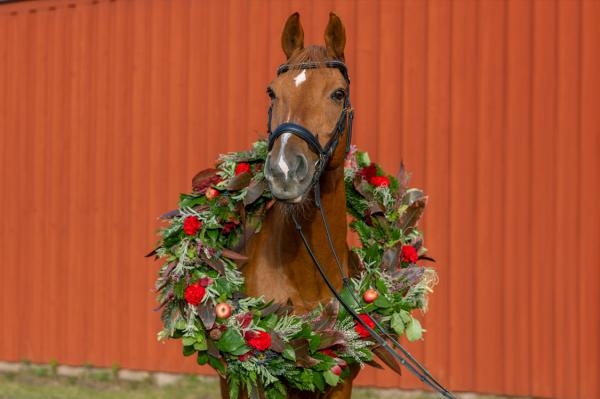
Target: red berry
223	310
337	370
211	193
370	295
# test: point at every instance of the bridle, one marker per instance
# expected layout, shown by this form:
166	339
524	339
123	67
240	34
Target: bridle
344	122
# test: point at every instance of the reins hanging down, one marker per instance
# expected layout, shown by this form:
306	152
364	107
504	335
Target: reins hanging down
344	123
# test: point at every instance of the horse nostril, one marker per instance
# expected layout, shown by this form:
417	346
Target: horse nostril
301	167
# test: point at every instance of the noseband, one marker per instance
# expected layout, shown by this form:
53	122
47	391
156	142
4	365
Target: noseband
345	120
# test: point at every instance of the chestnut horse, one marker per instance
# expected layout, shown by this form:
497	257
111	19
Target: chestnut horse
309	94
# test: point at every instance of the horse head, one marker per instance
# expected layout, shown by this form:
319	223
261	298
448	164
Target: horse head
310	111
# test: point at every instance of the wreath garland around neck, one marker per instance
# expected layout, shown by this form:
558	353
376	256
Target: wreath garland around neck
258	344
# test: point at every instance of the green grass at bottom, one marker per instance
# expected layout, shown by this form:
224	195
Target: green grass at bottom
32	384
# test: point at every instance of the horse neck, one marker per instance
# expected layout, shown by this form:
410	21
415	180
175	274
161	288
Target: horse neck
284	256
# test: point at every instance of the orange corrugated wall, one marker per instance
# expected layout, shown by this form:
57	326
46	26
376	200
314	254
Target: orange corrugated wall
108	108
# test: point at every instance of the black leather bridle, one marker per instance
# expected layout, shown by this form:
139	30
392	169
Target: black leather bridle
344	123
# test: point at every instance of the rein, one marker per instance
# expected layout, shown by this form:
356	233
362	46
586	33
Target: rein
345	120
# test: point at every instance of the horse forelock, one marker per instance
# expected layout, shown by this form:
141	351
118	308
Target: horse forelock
311	53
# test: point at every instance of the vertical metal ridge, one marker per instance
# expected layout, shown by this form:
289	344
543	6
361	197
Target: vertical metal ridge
108	108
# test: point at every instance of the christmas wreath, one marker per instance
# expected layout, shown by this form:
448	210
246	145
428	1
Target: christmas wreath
254	342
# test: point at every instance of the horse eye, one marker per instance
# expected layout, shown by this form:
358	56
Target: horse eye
338	95
271	93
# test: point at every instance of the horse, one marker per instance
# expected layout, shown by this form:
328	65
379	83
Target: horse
311	114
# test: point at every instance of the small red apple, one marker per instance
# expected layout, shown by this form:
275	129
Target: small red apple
211	193
370	295
337	370
223	310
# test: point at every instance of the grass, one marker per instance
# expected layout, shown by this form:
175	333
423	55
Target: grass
44	383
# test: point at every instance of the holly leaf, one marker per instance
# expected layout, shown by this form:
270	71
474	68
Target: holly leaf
388	359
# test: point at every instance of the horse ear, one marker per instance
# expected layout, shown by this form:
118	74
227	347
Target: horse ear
335	37
292	38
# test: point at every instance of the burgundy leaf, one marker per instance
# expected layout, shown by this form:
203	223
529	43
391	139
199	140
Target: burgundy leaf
277	344
238	182
403	178
303	358
151	253
203	179
416	201
362	187
228	253
327	318
255	190
216	264
271	308
212	349
389	260
387	359
373	363
331	338
207	314
170	214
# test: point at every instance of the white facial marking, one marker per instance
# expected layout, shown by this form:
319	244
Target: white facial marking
281	159
300	78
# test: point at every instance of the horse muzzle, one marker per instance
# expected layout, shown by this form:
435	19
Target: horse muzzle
289	177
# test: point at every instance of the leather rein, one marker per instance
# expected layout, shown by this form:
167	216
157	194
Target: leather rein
344	123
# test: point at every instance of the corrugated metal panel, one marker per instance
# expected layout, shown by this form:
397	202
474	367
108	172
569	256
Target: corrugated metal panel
107	108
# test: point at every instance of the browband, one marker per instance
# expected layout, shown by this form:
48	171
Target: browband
313	65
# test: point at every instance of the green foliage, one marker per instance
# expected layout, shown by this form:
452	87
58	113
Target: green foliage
300	350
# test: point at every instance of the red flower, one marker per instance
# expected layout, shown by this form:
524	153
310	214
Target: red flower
380	181
360	329
194	293
408	253
368	172
259	340
191	225
242	167
244	319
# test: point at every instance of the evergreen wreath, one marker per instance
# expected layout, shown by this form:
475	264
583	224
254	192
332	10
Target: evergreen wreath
258	343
